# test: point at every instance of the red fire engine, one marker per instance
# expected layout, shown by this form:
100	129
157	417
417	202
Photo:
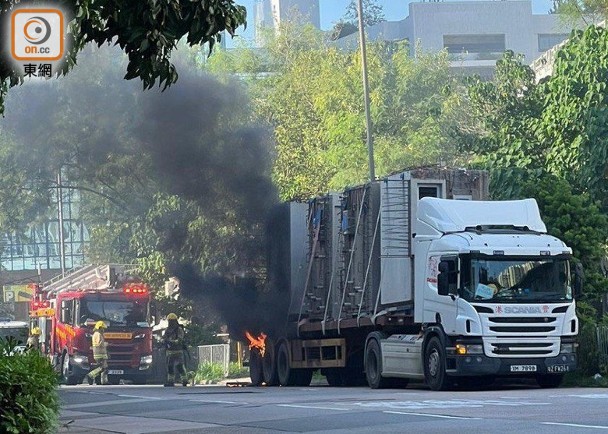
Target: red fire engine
70	307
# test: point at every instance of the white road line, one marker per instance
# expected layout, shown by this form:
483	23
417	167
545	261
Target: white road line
218	402
312	407
103	403
443	416
141	397
575	425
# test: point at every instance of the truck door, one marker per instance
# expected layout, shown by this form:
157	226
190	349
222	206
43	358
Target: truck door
441	307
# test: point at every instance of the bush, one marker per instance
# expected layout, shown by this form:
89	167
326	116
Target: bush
209	373
237	371
29	402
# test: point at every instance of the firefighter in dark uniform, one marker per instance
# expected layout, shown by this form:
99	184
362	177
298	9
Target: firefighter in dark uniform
100	354
173	340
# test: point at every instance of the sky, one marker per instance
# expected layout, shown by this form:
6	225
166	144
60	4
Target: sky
333	10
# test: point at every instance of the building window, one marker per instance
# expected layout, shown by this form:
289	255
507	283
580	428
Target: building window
548	41
474	43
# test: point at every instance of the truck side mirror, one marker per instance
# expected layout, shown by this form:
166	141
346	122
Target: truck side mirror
443	287
447	279
579	278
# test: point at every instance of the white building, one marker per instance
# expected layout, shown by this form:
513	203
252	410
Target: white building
270	13
475	33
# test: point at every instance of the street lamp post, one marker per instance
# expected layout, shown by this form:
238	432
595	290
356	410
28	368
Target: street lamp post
368	118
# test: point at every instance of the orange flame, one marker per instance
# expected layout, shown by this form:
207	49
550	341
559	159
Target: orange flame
259	342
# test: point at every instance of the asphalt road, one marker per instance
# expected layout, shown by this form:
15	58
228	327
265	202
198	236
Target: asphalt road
519	409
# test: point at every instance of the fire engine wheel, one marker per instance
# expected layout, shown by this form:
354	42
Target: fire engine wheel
68	377
373	364
269	365
287	375
434	366
255	368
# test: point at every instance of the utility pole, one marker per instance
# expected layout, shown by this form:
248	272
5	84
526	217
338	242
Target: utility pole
368	117
60	222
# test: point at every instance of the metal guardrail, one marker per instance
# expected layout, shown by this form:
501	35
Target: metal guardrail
216	354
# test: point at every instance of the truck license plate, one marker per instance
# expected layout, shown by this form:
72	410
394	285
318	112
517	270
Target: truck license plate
523	368
115	371
558	368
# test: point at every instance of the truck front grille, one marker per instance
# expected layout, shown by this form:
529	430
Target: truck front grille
527	326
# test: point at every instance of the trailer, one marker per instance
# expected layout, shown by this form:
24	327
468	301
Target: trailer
418	276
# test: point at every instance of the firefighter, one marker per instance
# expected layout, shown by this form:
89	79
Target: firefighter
100	354
33	340
173	340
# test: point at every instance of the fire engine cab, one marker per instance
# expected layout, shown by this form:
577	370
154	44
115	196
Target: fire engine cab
70	306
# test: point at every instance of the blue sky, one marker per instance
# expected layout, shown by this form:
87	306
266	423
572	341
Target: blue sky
394	10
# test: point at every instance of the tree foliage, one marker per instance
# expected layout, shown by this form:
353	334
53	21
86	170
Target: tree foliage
372	13
589	11
172	179
312	96
148	32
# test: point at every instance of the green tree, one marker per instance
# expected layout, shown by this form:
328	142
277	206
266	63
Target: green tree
589	11
147	32
372	13
173	178
312	96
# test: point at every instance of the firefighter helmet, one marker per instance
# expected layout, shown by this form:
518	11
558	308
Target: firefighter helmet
171	316
100	325
35	331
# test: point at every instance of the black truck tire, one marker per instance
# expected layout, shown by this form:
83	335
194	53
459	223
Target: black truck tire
373	363
269	364
288	376
255	368
434	365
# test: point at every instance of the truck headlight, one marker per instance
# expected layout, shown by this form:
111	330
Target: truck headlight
567	348
145	360
462	349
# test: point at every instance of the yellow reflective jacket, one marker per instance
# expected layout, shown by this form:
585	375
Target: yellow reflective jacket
99	346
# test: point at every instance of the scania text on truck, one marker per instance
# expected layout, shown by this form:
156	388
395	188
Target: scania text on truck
418	276
109	293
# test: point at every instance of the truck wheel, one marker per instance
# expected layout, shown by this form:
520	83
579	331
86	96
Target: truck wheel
284	372
549	381
373	365
434	365
68	378
269	365
255	368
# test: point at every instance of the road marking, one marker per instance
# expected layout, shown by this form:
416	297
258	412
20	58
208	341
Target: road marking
575	425
313	407
218	402
140	397
592	396
443	416
104	403
439	404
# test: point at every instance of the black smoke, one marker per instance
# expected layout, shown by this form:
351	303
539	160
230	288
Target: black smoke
198	140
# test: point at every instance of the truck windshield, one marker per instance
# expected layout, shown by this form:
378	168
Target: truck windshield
132	313
516	280
18	333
